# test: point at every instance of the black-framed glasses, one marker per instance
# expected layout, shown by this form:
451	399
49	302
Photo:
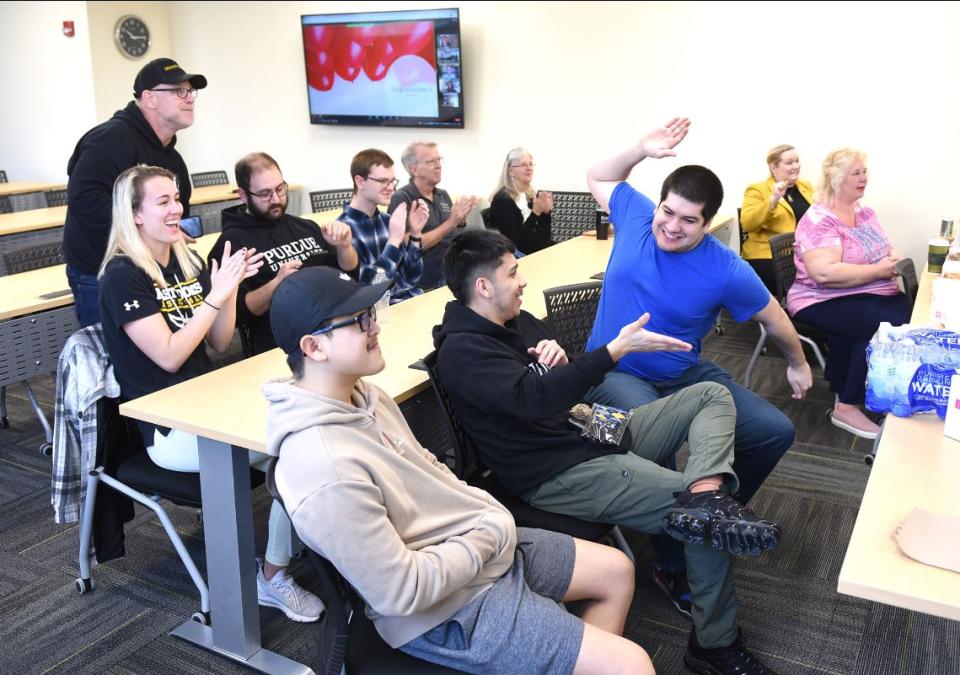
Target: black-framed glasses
365	319
384	182
182	92
264	195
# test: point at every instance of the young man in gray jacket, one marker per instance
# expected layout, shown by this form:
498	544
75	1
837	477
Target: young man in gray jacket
445	574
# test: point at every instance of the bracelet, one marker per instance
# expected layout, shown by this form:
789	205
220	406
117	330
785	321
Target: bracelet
212	305
418	239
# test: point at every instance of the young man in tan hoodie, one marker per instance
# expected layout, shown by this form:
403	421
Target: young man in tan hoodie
445	574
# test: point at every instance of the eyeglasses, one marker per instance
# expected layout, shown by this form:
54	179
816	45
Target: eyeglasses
525	165
182	92
365	319
384	182
280	191
432	162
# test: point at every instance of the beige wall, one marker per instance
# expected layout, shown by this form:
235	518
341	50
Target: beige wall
113	72
577	81
46	101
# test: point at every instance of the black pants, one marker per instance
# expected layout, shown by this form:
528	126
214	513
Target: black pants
767	272
850	321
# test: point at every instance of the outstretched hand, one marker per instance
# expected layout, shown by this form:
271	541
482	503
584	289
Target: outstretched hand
635	338
660	142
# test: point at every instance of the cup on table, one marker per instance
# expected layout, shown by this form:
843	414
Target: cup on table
602	224
937	254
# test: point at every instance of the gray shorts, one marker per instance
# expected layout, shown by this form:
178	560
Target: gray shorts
518	625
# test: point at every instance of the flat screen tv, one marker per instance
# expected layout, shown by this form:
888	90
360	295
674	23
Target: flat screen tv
400	69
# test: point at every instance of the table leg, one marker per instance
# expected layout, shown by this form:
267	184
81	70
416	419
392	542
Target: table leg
231	571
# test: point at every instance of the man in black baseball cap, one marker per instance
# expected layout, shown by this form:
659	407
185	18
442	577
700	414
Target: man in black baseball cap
144	132
323	301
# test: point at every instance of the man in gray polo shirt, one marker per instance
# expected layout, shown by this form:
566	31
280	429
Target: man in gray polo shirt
422	161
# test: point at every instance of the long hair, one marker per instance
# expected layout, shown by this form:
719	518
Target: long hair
506	180
125	237
836	168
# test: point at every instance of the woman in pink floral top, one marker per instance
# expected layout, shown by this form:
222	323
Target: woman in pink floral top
845	283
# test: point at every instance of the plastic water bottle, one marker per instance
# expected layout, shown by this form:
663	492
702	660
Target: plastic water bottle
881	376
383	304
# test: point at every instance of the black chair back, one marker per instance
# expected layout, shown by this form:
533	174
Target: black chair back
485	217
571	311
5	205
3	176
908	273
573	214
32	257
741	235
206	178
781	246
328	200
55	197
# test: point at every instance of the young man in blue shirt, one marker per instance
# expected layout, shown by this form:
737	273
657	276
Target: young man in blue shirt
392	243
664	263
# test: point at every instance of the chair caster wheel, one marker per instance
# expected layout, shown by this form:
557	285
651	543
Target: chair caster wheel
719	330
4	422
84	585
199	515
46	449
203	618
868	459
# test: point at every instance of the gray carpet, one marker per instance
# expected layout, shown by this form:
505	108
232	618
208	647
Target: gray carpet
789	609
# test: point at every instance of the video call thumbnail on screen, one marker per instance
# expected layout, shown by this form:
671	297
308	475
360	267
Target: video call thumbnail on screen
399	68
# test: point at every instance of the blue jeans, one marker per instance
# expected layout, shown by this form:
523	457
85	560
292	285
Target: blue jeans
763	433
86	295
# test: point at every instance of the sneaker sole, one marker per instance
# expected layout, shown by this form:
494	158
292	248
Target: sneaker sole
738	537
666	589
869	435
698	666
293	616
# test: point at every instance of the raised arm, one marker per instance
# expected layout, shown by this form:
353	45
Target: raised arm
604	176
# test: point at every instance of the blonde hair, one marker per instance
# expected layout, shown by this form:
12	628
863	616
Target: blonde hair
776	152
125	237
836	168
506	180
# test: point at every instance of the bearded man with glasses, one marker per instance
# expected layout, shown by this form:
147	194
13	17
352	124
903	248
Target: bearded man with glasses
392	243
144	132
287	242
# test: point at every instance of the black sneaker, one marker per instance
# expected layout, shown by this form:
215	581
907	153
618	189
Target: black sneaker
734	659
675	585
718	519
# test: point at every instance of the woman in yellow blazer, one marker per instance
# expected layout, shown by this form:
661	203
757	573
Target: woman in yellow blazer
771	207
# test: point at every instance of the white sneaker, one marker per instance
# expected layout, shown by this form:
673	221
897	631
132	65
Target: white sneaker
286	594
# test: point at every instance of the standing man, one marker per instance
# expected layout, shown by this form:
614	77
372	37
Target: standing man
392	243
142	133
664	263
287	242
423	162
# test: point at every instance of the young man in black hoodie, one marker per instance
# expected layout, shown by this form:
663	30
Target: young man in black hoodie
142	133
512	386
287	242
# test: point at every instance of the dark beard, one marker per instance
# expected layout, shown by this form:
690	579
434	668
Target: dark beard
264	214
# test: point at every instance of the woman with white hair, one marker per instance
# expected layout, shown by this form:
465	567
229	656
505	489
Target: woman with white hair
159	304
519	212
845	283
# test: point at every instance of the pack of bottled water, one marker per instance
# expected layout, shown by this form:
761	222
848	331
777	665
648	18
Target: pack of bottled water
909	369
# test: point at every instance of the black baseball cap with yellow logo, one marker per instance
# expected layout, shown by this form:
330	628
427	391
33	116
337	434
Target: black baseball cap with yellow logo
164	71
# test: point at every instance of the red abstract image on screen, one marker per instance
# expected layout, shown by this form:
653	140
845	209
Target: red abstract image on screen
344	51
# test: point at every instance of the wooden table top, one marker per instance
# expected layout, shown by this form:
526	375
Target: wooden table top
19	187
32	219
916	466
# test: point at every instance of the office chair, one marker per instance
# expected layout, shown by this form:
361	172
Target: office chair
908	274
485	217
348	641
207	178
3	176
5	205
328	200
31	257
55	198
468	467
571	311
573	214
781	246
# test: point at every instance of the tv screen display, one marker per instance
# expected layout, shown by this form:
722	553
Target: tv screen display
398	68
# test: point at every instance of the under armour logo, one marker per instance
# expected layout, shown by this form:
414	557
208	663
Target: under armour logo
345	277
131	305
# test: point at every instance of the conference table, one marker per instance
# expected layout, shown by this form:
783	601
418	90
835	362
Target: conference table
225	408
916	466
22	187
